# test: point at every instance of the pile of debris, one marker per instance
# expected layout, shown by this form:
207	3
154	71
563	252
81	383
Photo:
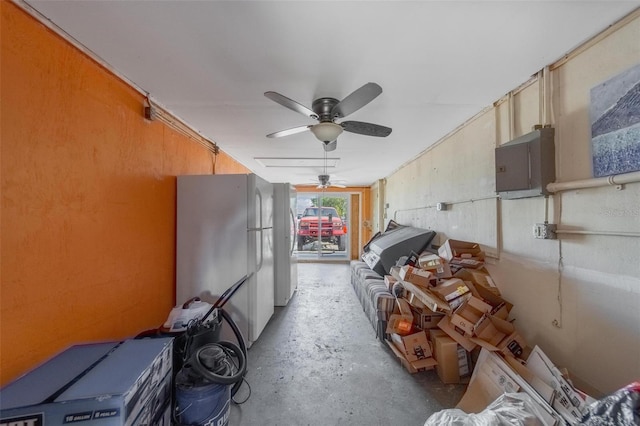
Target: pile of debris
451	316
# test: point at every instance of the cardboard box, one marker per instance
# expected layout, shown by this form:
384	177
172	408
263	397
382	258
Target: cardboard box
435	264
415	366
544	390
414	346
402	307
498	335
479	277
446	353
456	334
464	363
415	302
416	276
460	249
429	299
426	319
103	384
453	360
411	259
389	280
407	366
424	364
401	321
492	377
500	307
567	400
467	315
467	263
434	333
399	324
453	291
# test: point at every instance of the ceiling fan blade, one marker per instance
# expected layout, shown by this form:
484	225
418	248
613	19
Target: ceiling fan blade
338	185
368	129
330	146
356	100
289	132
291	104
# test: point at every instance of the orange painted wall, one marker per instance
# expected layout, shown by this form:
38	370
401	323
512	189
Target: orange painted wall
88	200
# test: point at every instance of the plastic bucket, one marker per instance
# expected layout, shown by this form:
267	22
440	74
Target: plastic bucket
207	405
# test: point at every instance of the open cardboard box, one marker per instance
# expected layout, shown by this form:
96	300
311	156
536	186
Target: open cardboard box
460	249
412	367
401	321
425	319
435	264
498	335
414	351
467	315
399	324
479	277
500	307
456	334
417	276
428	299
493	376
414	346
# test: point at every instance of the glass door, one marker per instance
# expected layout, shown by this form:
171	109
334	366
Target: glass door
322	231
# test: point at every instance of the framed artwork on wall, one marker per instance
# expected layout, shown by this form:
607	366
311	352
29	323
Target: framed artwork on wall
615	124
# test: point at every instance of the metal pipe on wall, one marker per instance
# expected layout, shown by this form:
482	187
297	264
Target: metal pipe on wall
548	96
433	206
610	233
620	179
512	117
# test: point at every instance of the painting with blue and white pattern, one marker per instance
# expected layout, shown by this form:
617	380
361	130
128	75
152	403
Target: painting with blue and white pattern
615	124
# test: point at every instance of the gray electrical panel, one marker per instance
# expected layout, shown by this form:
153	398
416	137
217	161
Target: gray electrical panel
525	165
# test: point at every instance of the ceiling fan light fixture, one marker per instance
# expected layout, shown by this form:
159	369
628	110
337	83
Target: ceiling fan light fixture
326	131
323	179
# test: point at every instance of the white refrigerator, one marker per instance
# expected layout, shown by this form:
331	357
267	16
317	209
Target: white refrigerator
224	231
284	239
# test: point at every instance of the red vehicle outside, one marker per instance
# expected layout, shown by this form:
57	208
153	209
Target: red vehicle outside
333	229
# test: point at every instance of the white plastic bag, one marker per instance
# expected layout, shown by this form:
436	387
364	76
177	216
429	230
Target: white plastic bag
510	409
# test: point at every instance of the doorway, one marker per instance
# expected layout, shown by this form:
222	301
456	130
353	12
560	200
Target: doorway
322	226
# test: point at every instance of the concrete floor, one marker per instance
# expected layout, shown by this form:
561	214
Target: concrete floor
318	362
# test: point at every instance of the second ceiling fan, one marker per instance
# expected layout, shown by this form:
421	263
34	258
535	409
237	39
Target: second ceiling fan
324	182
327	111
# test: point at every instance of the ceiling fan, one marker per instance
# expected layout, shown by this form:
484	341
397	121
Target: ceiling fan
324	181
327	110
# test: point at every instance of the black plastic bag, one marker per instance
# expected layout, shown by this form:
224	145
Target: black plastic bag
621	408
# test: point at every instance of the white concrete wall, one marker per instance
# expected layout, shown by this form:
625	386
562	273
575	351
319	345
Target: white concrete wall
577	297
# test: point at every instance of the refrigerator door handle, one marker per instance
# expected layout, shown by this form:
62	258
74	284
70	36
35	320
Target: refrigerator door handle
295	231
259	266
261	230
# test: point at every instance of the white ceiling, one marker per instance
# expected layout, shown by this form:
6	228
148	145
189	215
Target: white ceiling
438	62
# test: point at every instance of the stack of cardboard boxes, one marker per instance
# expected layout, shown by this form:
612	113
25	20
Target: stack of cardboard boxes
451	316
451	299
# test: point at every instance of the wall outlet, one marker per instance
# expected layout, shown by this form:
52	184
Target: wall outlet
545	231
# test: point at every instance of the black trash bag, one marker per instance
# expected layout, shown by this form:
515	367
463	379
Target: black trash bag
621	408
